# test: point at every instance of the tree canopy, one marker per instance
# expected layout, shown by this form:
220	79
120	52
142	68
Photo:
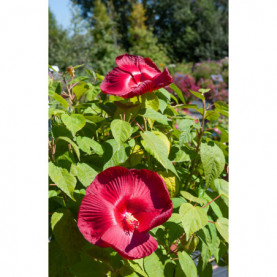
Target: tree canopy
190	30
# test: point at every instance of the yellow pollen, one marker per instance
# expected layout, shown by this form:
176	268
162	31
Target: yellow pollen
131	220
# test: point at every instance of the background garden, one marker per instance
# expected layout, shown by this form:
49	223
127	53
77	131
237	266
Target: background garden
180	131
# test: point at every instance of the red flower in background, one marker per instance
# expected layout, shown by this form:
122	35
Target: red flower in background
134	76
120	207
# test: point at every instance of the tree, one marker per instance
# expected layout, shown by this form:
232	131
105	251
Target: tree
142	40
105	49
190	30
58	43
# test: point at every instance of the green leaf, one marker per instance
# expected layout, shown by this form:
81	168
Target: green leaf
175	218
222	187
171	181
221	105
213	161
58	98
212	115
178	92
205	254
150	113
185	137
66	233
114	156
73	122
85	173
178	201
158	149
150	100
77	66
100	77
164	138
78	79
204	90
215	207
209	236
222	112
94	118
136	267
207	271
86	144
58	263
88	267
80	89
92	92
197	94
187	264
153	266
91	73
74	145
63	179
166	94
193	218
222	226
121	130
187	106
192	198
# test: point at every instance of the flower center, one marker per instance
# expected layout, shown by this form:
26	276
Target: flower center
130	222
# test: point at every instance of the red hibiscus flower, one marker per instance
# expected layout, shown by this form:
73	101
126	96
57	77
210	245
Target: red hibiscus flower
134	76
120	207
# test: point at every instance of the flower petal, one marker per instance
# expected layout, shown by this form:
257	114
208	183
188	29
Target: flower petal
94	218
148	69
129	63
163	79
151	189
117	82
130	245
146	86
112	184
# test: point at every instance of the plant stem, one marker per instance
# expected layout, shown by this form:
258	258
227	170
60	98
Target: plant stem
211	201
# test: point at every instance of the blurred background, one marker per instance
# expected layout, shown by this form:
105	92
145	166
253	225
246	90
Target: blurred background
189	37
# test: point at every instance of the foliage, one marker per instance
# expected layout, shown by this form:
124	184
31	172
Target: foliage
199	75
189	30
142	40
105	47
90	131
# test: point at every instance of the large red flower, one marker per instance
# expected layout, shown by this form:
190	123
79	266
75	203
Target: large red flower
120	207
134	76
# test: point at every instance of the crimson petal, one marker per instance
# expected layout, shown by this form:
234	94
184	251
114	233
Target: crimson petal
112	184
94	218
130	64
130	245
117	82
146	86
148	69
163	79
152	189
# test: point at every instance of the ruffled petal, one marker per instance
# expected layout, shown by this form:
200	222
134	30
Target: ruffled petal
163	79
130	64
152	191
112	184
148	69
117	82
94	218
130	245
146	86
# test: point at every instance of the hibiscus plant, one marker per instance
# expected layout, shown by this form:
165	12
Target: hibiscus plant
137	187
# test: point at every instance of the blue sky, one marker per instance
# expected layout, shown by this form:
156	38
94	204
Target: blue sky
61	10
